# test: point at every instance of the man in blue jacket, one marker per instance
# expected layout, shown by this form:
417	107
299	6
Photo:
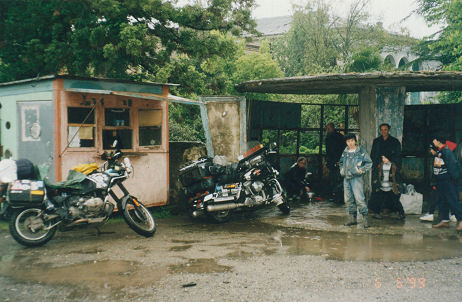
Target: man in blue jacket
354	163
447	174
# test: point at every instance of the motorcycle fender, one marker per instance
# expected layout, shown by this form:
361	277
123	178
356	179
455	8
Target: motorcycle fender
123	202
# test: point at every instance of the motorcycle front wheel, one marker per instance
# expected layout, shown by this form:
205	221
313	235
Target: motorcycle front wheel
138	218
28	227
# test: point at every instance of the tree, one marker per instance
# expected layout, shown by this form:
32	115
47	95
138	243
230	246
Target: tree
364	60
131	39
216	75
446	44
320	42
309	46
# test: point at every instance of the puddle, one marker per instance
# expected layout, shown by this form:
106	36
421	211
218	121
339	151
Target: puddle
184	241
110	274
372	247
239	254
180	248
87	251
199	266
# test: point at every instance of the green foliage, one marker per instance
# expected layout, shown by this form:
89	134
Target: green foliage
320	42
445	46
309	47
131	39
366	59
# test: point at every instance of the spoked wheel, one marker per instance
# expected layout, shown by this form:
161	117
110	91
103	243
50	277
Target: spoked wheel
220	216
29	227
138	217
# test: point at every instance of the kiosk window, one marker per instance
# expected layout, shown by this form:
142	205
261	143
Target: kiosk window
150	127
117	117
123	136
117	126
80	127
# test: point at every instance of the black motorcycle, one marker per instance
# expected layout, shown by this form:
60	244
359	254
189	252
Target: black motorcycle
218	190
39	208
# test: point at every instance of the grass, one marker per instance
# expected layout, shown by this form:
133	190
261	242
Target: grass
3	225
157	213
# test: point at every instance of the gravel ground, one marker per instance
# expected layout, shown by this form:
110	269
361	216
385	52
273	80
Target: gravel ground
244	260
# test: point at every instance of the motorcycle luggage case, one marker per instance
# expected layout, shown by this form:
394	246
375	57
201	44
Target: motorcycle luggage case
205	185
195	172
25	192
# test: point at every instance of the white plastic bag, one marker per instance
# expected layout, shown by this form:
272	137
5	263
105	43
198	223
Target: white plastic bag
412	203
8	170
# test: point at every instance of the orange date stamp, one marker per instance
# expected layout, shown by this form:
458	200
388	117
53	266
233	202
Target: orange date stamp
408	282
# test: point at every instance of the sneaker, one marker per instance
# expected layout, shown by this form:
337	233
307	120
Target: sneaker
426	217
453	218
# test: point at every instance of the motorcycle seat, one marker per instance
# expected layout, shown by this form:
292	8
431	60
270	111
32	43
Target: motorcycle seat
74	181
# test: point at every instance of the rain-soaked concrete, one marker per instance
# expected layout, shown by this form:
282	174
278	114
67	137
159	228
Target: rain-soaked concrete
261	252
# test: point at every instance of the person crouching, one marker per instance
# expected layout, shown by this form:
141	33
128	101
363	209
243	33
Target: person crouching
354	163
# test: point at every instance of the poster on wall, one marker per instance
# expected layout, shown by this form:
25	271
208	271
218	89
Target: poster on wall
30	117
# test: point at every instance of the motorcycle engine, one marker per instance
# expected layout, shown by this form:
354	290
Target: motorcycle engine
86	206
254	191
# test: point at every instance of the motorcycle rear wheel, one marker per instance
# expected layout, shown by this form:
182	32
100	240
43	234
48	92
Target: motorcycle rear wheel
27	227
220	216
139	218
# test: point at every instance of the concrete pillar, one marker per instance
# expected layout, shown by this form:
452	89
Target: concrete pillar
368	127
390	109
367	117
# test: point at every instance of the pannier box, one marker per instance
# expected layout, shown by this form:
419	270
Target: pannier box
26	192
195	172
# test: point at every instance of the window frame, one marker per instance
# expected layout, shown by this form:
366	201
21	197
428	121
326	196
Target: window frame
93	107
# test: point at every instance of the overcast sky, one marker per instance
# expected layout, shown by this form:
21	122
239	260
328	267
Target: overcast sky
390	12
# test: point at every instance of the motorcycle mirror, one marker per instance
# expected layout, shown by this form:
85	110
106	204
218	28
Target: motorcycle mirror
273	147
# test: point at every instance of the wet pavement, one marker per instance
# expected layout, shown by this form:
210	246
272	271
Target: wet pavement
185	255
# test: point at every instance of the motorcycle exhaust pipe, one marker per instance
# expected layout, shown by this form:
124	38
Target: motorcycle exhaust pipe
223	207
196	214
224	199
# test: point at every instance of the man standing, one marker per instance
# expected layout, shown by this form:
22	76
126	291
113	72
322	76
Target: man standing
447	173
386	144
335	144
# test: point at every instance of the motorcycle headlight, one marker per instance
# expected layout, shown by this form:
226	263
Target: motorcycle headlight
128	165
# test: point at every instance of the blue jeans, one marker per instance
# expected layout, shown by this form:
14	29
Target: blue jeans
354	195
447	192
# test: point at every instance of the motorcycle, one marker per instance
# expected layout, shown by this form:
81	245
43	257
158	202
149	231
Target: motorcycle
39	208
218	190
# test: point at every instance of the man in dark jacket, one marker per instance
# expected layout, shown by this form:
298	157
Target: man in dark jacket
294	179
447	174
388	144
335	144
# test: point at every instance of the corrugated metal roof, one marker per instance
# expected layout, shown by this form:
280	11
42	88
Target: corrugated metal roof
48	77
